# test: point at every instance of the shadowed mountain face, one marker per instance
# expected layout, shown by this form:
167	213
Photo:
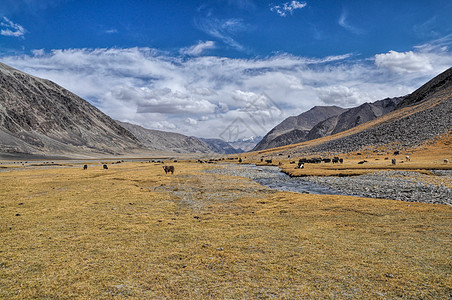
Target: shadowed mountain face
339	120
40	117
301	123
441	82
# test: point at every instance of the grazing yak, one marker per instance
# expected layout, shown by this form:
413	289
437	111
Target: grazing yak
85	167
446	161
168	169
393	161
105	167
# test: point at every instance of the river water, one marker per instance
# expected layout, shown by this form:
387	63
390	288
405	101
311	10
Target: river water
273	178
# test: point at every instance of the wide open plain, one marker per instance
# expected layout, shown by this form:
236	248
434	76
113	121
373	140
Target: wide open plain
134	231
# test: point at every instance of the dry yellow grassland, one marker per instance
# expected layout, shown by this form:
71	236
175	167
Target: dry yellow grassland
133	231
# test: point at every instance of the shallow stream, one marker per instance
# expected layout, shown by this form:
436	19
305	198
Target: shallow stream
273	178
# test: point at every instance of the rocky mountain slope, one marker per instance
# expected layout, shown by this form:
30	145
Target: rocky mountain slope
302	123
39	117
341	120
352	117
419	117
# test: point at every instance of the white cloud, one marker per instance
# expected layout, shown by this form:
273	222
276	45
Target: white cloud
342	96
191	121
224	30
111	31
198	49
9	28
400	62
161	91
344	23
288	7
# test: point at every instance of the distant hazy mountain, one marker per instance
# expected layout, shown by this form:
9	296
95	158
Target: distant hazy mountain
39	117
302	123
167	141
220	146
246	144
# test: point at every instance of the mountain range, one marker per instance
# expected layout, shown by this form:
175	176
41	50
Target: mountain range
405	122
39	118
323	121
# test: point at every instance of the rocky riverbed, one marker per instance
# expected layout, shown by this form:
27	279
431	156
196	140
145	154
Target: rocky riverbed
398	185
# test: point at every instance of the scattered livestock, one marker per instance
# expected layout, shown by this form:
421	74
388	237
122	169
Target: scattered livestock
315	160
105	167
335	160
168	169
407	158
240	160
446	161
396	152
300	165
85	167
269	161
393	161
341	160
361	162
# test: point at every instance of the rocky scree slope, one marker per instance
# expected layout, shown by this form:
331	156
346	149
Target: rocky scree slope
343	120
40	117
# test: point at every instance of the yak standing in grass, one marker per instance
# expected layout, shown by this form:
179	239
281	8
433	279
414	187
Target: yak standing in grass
105	167
168	169
85	167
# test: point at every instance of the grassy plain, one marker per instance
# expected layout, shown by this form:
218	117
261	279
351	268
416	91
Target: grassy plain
133	231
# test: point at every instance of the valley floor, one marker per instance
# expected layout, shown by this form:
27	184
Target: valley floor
134	231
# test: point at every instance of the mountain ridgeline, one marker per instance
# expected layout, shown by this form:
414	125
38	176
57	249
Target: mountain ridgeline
394	123
328	120
39	118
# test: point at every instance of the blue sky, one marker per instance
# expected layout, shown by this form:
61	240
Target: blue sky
199	67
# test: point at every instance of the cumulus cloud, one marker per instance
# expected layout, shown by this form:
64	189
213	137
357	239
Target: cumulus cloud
225	96
9	28
198	49
191	121
400	62
342	96
287	8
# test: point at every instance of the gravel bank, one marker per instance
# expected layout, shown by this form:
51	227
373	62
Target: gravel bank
397	185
